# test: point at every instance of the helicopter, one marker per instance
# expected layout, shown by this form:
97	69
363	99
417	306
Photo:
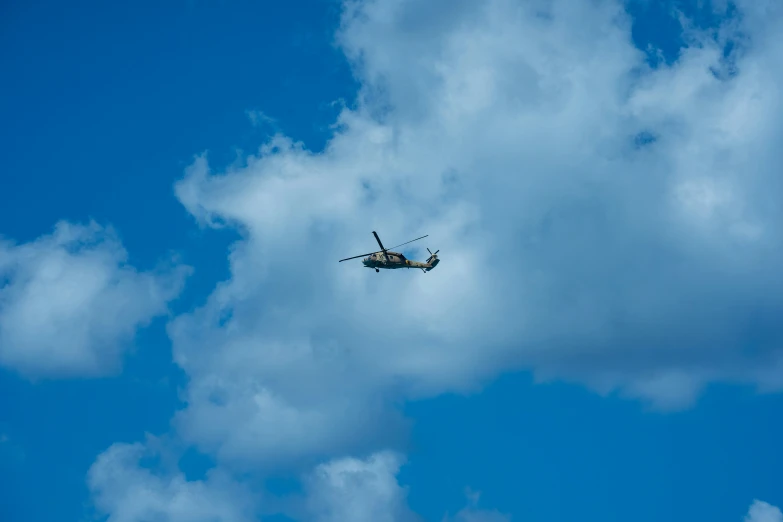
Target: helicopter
387	259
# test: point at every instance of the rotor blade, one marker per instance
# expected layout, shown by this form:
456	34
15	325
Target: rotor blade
354	257
379	241
411	241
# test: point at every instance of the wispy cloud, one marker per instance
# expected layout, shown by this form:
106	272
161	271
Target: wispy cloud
472	513
259	118
11	452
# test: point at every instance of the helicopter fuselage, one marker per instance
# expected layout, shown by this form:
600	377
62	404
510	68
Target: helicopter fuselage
390	260
394	260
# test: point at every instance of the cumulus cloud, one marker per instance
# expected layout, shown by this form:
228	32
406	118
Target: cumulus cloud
127	491
70	304
355	490
141	482
761	511
570	246
599	221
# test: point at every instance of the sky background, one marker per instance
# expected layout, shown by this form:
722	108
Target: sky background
104	110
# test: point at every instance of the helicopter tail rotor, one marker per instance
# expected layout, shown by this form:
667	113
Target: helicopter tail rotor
433	259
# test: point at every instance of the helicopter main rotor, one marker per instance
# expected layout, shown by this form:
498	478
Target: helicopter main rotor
384	250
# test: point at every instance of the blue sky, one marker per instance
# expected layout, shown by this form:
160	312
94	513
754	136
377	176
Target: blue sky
653	415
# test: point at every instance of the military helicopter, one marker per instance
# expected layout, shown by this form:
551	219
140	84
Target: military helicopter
390	260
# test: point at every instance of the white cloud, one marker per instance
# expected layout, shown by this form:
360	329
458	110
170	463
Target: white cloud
129	485
124	489
469	514
258	118
507	132
472	513
70	305
354	490
762	512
